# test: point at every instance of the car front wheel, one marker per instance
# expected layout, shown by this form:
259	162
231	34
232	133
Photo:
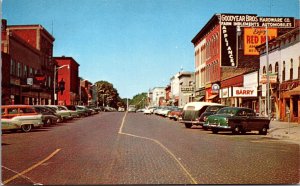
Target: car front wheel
188	125
26	128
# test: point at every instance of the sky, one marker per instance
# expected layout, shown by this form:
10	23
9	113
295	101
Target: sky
134	44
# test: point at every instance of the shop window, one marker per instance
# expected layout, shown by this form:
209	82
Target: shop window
291	70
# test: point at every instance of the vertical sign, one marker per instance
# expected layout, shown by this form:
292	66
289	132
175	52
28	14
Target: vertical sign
228	45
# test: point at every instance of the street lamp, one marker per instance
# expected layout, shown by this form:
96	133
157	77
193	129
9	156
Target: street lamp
268	105
54	79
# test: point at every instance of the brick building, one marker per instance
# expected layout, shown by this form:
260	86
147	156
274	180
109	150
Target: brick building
27	56
224	55
69	75
86	92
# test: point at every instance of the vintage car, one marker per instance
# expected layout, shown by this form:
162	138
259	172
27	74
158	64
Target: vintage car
238	120
176	114
192	112
48	116
20	117
64	115
211	110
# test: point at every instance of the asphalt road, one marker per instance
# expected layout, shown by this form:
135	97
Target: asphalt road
132	148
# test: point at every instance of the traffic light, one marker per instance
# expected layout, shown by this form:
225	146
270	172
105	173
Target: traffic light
61	85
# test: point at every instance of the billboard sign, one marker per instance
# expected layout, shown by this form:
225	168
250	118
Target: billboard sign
254	37
252	20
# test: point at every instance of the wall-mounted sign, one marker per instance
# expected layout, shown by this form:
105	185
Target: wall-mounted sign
254	37
215	88
29	81
224	93
228	38
252	20
187	89
244	91
272	78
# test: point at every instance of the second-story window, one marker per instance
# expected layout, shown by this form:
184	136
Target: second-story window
291	70
283	71
264	70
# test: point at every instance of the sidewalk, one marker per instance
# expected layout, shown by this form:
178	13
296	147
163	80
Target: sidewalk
285	131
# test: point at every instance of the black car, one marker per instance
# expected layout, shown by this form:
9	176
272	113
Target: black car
48	116
210	110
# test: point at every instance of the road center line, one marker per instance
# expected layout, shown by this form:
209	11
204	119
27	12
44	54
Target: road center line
162	146
32	167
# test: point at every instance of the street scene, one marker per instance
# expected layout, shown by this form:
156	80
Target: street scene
133	148
150	92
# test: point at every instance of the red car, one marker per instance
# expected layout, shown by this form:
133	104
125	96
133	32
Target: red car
176	114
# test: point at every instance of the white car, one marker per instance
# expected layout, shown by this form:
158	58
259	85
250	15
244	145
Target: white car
24	123
148	111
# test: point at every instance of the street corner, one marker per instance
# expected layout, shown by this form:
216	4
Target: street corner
288	134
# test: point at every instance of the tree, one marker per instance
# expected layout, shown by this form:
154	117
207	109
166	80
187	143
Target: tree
139	100
107	95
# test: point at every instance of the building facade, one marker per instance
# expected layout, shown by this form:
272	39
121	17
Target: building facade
27	51
158	96
68	75
186	87
284	76
226	57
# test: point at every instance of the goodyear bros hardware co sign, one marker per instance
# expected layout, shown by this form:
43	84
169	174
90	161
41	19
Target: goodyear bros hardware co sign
254	33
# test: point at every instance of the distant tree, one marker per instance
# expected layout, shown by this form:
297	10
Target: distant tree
108	95
139	100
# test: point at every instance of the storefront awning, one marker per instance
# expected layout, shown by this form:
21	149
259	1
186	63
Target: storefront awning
293	92
212	96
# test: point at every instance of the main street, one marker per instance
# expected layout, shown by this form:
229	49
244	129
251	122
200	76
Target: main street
132	148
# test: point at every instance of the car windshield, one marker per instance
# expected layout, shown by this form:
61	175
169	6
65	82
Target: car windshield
229	111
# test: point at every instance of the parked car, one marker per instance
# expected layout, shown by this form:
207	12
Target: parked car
131	108
148	111
80	112
192	112
73	113
121	109
238	120
210	110
20	117
64	114
176	114
84	109
48	117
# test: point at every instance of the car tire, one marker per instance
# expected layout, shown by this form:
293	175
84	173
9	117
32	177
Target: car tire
48	122
263	131
26	128
215	131
237	130
188	125
204	128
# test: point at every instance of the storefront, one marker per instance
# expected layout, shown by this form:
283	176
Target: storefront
290	101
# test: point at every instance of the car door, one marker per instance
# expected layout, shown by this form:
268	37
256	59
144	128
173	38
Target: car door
251	120
241	118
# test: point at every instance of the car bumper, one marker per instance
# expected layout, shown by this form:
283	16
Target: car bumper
192	122
217	126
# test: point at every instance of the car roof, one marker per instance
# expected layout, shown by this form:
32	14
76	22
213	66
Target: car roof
199	105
